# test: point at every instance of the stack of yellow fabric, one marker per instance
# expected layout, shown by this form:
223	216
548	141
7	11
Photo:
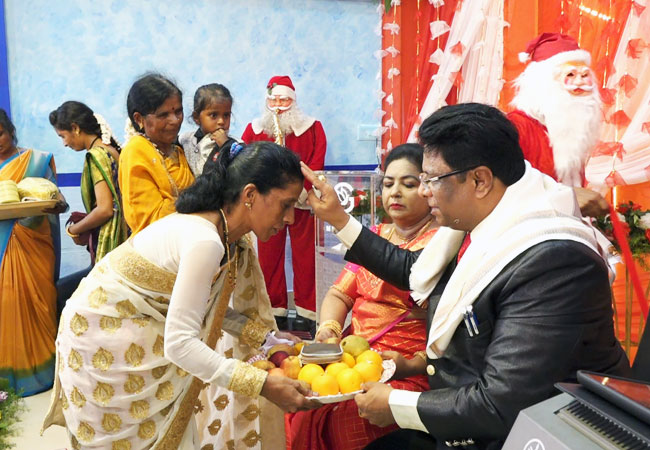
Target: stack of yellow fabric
32	188
8	192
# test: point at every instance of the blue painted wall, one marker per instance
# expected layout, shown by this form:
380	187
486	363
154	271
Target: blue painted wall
93	51
4	78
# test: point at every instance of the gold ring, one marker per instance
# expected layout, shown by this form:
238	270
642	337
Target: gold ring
322	178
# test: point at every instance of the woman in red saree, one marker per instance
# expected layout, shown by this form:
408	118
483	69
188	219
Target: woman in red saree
384	315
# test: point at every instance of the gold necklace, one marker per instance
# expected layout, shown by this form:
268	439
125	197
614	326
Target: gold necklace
406	240
232	269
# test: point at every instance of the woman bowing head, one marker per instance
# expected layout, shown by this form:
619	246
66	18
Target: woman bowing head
151	312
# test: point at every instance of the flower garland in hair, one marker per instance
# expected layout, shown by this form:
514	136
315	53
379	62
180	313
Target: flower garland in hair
235	148
105	129
129	130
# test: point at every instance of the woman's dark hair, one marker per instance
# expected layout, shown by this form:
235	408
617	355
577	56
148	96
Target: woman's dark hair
471	135
208	94
264	164
8	125
148	93
72	112
411	152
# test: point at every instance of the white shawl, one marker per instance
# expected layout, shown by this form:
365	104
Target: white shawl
532	210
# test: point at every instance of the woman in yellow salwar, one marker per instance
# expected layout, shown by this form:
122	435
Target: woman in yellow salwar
102	228
29	255
153	169
135	341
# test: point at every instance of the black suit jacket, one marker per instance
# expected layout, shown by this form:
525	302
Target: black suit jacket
546	315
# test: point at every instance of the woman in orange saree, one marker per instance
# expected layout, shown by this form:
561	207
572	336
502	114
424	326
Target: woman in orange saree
153	169
384	315
29	251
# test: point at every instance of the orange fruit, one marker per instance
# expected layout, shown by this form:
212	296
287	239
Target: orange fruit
370	356
348	359
325	385
276	371
334	368
369	371
309	372
349	380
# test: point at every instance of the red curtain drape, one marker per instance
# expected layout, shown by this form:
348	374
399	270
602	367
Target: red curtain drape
416	47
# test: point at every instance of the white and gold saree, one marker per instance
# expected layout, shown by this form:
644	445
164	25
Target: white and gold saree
115	387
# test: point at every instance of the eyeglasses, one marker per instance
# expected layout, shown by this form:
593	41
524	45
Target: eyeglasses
428	182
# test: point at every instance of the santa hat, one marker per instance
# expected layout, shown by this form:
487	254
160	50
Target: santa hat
281	85
554	49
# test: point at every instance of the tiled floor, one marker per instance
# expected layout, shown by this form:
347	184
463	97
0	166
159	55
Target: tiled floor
54	438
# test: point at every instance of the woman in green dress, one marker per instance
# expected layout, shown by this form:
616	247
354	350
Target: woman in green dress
103	227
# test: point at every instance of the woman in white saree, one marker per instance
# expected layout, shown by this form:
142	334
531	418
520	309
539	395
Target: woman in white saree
136	339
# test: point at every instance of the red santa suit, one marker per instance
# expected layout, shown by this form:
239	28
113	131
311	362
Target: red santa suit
309	142
534	142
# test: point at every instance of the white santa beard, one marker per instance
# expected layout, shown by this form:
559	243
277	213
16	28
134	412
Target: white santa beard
289	120
573	122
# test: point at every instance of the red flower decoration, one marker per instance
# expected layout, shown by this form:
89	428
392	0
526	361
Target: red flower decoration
614	179
645	127
457	78
457	49
609	149
608	96
619	118
638	8
634	48
627	83
623	208
647	234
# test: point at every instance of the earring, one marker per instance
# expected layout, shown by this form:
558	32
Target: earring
456	221
76	133
249	205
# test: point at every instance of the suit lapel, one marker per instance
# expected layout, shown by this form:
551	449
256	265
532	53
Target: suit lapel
434	298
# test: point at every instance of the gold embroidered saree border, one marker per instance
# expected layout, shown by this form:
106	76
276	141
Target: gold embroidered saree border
140	271
247	380
254	333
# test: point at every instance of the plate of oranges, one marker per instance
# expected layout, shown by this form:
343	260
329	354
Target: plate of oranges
342	380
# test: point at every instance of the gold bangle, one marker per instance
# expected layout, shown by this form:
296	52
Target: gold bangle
67	231
421	354
333	325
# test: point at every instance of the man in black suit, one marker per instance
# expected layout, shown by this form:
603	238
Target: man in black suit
516	286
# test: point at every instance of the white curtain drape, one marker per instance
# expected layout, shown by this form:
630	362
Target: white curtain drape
632	164
475	46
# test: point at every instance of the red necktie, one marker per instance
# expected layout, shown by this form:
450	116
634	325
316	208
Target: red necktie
464	246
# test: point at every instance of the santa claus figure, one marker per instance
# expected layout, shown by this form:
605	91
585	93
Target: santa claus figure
558	113
283	122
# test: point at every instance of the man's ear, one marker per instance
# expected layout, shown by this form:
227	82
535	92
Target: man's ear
483	181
